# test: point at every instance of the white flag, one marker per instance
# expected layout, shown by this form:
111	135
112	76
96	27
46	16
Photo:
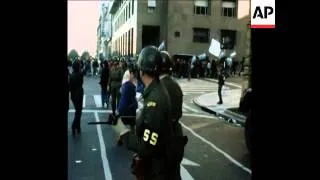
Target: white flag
215	48
161	47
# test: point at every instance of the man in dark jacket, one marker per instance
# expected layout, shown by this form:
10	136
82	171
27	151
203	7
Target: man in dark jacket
176	97
76	89
104	78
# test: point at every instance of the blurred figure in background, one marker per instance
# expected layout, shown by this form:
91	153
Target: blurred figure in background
104	81
76	90
115	80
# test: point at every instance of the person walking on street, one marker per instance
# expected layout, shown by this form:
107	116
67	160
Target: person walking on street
104	78
95	65
76	90
115	85
221	79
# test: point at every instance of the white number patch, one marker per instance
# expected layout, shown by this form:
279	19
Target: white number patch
153	139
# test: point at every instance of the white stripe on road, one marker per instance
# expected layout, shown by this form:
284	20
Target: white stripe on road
190	108
110	111
185	175
217	149
97	100
199	91
105	162
184	110
84	101
199	115
92	111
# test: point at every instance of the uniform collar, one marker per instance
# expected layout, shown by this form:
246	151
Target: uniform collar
151	86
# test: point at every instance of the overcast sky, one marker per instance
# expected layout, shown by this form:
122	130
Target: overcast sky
83	20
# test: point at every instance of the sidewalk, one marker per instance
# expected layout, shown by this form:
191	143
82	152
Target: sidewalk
231	99
232	81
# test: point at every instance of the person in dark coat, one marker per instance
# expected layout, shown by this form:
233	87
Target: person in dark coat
76	90
176	97
104	81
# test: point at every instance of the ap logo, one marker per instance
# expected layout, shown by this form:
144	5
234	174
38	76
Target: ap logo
263	14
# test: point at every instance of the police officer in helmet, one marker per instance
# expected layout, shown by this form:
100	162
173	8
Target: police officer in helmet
176	97
151	141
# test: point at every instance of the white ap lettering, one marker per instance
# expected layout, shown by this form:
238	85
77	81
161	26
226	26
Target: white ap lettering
268	10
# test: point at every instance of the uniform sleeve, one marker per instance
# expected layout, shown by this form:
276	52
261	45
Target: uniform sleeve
180	103
150	142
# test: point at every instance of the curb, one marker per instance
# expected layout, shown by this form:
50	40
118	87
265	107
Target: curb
227	115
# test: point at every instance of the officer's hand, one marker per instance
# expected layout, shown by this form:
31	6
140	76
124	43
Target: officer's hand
120	128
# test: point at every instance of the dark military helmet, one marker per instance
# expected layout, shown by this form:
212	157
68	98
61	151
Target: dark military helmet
149	60
167	64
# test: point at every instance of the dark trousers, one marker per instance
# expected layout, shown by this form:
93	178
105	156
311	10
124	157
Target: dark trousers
104	96
77	98
115	96
219	92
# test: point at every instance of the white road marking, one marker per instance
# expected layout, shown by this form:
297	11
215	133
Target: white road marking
84	101
97	100
78	161
184	110
92	111
217	149
199	115
189	108
110	111
188	162
105	162
185	175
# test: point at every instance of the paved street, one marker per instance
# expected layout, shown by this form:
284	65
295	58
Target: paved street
216	149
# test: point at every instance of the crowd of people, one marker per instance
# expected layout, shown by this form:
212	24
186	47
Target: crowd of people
154	133
205	68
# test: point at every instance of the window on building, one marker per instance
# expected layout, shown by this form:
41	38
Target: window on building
201	35
131	41
129	10
228	38
201	7
132	2
177	34
229	8
151	9
151	6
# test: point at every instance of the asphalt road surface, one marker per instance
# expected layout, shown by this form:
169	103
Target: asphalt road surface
216	149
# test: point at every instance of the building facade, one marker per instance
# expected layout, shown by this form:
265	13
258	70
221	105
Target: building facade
98	39
186	27
104	32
